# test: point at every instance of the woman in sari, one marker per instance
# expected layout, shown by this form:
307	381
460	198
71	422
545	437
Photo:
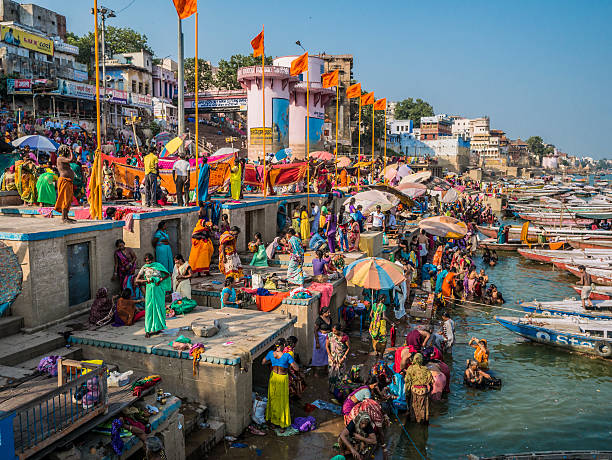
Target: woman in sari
26	180
260	258
156	278
236	181
8	179
163	251
322	328
304	224
297	383
108	181
125	263
45	188
354	235
277	410
181	277
378	326
201	249
229	260
295	269
295	220
418	381
331	226
338	346
101	312
343	178
78	182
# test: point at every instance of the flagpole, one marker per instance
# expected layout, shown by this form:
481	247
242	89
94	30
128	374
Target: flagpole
98	153
372	143
385	168
308	132
197	120
359	146
263	105
336	154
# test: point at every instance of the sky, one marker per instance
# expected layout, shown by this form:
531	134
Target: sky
535	67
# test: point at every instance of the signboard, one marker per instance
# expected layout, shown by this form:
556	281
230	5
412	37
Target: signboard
257	136
141	100
17	37
21	86
228	104
74	89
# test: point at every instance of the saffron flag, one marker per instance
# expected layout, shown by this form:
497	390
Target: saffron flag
353	91
330	79
185	8
299	65
95	188
367	99
258	44
381	104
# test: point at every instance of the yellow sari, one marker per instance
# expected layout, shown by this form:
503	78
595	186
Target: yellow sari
305	226
236	181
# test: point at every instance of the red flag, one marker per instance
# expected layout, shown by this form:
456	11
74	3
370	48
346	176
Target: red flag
381	104
185	8
330	79
299	65
353	91
367	99
258	44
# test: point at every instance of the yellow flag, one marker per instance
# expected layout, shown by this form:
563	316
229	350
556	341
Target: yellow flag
95	188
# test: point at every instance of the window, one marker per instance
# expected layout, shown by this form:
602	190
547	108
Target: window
133	86
595	333
140	87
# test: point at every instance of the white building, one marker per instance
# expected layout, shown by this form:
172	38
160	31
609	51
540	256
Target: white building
451	152
399	126
461	127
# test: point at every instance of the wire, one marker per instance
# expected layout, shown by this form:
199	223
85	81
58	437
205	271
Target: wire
406	432
127	6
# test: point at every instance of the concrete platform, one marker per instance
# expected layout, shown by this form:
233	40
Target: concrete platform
19	229
223	379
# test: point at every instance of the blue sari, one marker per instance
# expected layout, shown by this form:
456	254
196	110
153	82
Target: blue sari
163	252
295	270
203	181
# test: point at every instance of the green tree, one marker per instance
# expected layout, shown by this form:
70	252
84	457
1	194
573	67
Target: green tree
539	148
410	109
117	40
205	77
227	75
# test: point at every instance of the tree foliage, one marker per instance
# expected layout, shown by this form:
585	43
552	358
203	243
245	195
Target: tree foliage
410	109
227	77
205	76
117	40
538	148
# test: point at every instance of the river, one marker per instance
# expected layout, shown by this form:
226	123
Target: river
550	399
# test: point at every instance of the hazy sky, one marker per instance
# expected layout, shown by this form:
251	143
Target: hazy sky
538	67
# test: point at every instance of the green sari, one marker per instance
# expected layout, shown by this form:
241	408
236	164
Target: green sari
45	186
155	299
260	258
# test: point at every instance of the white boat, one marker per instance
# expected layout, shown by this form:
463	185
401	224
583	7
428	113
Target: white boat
602	309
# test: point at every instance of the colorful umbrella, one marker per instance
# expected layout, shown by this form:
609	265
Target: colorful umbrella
172	146
374	273
372	198
343	162
321	155
390	172
444	226
281	155
417	177
36	142
412	190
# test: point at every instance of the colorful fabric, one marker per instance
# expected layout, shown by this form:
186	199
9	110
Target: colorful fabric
319	355
260	258
304	226
182	287
372	408
338	347
277	410
25	180
142	384
155	299
125	267
378	324
236	181
45	188
229	261
201	249
203	181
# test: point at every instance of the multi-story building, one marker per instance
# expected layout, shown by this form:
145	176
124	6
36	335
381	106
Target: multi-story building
131	72
32	16
344	64
391	111
518	153
165	88
399	126
461	127
436	127
451	152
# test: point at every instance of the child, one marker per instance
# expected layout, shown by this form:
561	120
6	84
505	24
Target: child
136	189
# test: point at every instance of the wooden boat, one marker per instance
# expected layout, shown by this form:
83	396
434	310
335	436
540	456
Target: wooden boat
512	245
554	219
593	337
564	308
597	293
598	275
551	455
591	244
594	214
547	255
533	232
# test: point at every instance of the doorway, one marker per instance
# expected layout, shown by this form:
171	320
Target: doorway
79	278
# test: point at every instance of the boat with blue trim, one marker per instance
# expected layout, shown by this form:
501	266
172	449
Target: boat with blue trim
592	337
602	309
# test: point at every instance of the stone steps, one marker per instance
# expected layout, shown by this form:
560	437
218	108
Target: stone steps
20	348
10	325
200	442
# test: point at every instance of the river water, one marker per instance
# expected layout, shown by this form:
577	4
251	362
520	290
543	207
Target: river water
550	399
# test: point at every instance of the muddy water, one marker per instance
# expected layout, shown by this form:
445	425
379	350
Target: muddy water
550	399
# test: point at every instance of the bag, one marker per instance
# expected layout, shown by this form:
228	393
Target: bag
257	281
259	409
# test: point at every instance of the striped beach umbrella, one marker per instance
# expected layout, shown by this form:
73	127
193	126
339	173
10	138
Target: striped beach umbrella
374	273
444	226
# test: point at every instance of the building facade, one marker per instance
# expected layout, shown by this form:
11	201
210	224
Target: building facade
451	152
399	126
436	127
165	88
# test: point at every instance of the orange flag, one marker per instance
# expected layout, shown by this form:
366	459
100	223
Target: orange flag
258	44
381	104
299	65
185	8
330	79
353	91
367	99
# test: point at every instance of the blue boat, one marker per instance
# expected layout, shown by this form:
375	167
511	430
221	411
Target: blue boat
567	308
577	334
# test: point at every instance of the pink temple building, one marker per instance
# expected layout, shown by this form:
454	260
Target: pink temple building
285	104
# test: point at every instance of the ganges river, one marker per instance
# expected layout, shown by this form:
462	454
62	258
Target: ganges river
550	399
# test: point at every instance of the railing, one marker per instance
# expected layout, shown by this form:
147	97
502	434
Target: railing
39	423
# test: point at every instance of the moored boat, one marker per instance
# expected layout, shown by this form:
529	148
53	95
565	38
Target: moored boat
547	255
591	244
577	334
513	245
551	455
597	292
602	309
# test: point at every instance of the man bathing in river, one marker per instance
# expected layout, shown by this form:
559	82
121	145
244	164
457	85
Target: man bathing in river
65	189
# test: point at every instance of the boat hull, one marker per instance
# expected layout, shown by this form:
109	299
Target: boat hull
567	341
595	295
591	244
551	311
